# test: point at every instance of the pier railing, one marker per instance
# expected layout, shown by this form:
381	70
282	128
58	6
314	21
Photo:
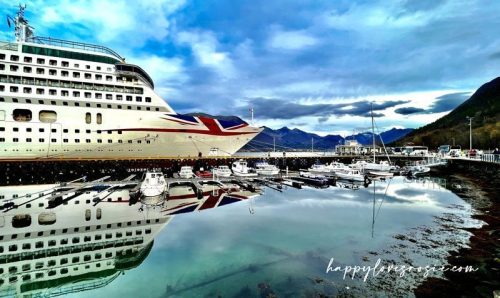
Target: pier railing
491	158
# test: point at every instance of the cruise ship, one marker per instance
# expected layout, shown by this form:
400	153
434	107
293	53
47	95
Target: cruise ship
70	100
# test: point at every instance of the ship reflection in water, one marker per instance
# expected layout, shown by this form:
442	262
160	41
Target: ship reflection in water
67	238
82	236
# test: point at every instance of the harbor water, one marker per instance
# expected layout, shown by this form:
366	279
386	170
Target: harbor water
281	243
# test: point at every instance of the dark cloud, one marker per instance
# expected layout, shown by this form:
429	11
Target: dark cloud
409	110
271	108
448	102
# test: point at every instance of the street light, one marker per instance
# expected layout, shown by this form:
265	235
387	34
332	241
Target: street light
470	134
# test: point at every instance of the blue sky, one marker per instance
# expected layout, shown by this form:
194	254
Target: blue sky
314	65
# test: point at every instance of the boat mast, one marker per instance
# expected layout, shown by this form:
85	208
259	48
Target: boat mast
373	133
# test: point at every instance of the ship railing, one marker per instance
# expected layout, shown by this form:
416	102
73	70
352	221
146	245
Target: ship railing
75	45
4	45
84	287
72	85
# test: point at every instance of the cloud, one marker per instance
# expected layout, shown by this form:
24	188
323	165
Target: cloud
204	46
290	40
282	109
409	110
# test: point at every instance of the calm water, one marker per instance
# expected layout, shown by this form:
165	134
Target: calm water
282	242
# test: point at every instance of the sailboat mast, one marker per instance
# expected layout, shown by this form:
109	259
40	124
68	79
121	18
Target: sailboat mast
373	133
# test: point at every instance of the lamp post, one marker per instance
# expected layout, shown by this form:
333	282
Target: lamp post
470	134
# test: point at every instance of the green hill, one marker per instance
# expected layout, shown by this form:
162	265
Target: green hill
483	105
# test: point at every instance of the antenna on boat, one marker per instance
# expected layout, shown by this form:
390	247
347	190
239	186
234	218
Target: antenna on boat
23	31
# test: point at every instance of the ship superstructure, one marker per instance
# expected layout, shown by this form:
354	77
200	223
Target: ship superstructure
66	100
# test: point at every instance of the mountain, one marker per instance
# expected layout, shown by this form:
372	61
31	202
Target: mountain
286	138
483	105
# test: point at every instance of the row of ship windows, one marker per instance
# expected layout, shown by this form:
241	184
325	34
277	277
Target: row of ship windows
50	273
41	61
74	240
52	263
66	93
99	141
77	229
29	129
87	104
54	72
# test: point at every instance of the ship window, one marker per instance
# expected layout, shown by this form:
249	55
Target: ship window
87	131
40	91
47	116
64	73
65	130
22	115
64	241
139	108
64	93
75	240
52	72
110	141
65	103
2	128
148	99
129	108
148	108
15	129
40	102
157	109
109	78
65	63
98	105
129	141
53	62
76	94
21	220
40	61
109	96
65	140
14	67
119	97
109	106
40	71
77	104
77	141
99	118
27	69
119	107
98	95
76	75
2	140
14	58
27	90
88	75
27	59
98	77
52	92
87	140
53	102
13	88
2	56
88	118
28	140
53	130
15	140
53	140
28	129
99	141
15	100
88	95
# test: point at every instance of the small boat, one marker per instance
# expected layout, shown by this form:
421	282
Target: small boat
152	189
337	166
263	168
203	174
351	175
186	172
417	170
241	169
381	174
320	169
222	171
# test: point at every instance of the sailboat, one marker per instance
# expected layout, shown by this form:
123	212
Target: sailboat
381	169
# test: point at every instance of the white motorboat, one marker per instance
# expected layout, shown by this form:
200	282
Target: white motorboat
320	169
240	168
351	175
153	184
222	171
186	172
418	170
337	166
263	168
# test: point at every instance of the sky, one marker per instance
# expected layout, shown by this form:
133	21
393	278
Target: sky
312	65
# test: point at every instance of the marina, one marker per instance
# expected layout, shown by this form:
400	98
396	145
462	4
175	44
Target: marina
106	190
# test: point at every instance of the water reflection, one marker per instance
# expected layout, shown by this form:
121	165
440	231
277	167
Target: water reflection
63	239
